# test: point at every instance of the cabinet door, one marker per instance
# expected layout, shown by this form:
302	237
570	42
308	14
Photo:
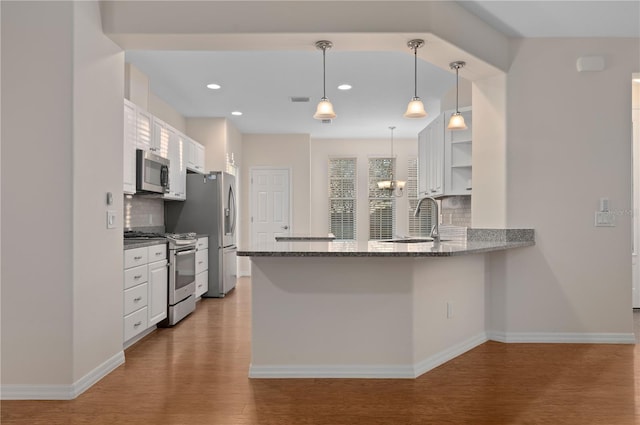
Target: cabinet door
437	156
144	127
160	138
129	148
423	163
158	288
199	164
202	283
173	154
181	177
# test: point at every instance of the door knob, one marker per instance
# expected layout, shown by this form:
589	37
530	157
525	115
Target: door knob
285	227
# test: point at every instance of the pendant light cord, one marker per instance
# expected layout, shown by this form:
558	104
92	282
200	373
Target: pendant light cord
457	69
415	71
324	74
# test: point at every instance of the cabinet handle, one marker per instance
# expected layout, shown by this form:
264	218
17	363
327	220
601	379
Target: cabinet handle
137	258
158	253
136	299
135	325
137	276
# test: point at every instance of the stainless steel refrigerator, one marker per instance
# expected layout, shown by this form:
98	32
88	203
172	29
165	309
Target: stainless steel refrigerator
210	209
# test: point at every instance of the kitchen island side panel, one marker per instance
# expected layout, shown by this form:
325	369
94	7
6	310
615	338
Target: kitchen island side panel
331	312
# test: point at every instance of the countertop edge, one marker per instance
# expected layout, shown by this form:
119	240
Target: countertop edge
499	246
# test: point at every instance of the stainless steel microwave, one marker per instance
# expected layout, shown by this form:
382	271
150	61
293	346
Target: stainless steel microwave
152	172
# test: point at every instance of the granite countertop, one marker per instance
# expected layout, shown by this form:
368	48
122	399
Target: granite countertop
477	241
141	243
328	237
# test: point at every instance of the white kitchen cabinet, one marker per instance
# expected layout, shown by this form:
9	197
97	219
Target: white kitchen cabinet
458	150
177	166
129	148
157	292
431	159
202	266
444	158
195	161
160	138
145	287
144	127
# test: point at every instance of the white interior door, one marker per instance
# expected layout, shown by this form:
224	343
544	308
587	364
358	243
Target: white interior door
270	204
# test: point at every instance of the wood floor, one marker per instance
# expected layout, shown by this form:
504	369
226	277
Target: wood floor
196	374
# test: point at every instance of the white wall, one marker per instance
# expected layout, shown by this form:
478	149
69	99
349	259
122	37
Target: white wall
569	143
37	193
276	150
361	149
61	153
97	169
166	113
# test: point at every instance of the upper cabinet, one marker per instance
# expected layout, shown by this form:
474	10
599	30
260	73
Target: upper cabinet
177	166
144	131
129	152
195	161
444	157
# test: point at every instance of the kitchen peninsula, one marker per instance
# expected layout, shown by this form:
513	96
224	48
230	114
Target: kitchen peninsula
369	309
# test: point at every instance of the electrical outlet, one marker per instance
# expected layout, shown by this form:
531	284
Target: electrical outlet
449	310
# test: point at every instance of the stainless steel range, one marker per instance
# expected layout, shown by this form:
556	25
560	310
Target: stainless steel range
182	276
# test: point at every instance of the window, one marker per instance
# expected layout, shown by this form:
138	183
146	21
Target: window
342	197
382	203
421	225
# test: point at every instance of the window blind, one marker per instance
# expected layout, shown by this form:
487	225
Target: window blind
382	203
342	197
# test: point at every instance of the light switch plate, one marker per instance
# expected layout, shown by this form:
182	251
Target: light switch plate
605	219
111	219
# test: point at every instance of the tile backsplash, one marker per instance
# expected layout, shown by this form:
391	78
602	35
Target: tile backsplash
142	211
456	210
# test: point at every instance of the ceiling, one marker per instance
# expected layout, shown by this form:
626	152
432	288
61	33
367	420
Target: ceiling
261	83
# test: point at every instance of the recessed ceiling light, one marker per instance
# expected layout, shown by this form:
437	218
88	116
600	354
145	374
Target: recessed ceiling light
213	86
236	113
344	87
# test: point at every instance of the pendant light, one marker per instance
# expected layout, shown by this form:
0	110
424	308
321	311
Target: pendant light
325	108
415	109
457	120
396	186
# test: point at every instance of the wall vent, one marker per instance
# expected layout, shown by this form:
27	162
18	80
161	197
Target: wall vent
299	99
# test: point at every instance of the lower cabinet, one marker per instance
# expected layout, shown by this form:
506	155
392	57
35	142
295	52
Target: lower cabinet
145	289
158	281
202	266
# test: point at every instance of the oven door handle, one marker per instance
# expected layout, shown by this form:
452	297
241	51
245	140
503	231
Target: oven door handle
190	251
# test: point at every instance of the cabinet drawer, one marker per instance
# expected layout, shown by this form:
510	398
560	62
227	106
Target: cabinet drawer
203	243
135	323
202	283
135	257
135	298
157	253
202	260
135	276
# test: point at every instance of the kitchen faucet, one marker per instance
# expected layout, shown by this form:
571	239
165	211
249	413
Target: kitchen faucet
435	232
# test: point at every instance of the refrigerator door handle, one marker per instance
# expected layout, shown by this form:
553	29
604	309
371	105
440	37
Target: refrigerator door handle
232	208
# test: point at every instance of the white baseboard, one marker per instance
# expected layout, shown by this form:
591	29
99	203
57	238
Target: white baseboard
61	392
367	371
244	273
450	353
563	337
331	371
